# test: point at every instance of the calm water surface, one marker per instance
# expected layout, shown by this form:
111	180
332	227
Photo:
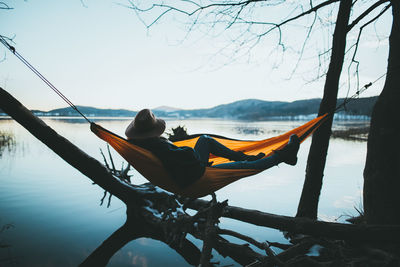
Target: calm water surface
58	221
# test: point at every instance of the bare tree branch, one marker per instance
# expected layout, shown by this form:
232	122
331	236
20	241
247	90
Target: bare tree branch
83	4
248	32
5	6
228	6
304	45
356	45
311	10
264	246
307	226
365	13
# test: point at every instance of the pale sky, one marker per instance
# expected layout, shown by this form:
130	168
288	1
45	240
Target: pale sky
102	56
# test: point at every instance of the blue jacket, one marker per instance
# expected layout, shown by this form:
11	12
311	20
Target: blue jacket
182	163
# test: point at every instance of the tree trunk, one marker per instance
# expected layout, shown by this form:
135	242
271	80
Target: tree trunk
308	205
382	167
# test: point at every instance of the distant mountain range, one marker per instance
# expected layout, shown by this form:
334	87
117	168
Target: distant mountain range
249	109
254	109
88	111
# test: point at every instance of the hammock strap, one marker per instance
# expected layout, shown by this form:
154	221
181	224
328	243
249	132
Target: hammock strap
313	128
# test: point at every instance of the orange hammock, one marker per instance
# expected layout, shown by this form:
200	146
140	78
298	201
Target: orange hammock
213	179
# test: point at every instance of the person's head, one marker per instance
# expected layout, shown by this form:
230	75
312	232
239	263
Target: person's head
145	125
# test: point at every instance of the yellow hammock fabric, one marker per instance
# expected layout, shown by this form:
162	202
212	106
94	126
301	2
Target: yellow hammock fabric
213	179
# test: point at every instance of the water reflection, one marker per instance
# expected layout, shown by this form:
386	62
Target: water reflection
141	231
7	142
80	120
6	256
249	131
48	200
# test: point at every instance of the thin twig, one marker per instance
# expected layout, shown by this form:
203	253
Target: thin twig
102	199
264	246
356	45
111	159
4	6
109	200
104	159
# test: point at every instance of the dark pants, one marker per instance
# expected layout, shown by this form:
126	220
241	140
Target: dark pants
206	145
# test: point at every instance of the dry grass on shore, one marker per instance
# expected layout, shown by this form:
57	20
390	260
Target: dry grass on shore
7	141
355	134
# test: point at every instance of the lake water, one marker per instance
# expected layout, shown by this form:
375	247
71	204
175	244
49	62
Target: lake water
57	219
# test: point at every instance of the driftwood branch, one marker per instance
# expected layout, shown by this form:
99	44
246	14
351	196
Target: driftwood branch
386	233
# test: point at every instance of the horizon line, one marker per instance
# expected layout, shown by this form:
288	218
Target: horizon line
179	109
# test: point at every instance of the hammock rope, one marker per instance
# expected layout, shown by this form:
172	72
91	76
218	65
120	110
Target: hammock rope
34	70
357	93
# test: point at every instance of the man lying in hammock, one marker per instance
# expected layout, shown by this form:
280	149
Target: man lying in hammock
186	165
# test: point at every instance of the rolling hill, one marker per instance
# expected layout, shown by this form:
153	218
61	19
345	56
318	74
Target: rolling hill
249	109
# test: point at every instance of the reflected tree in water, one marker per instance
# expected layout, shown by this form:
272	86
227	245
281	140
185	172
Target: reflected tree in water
6	257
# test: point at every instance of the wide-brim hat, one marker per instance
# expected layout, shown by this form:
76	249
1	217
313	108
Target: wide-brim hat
145	125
